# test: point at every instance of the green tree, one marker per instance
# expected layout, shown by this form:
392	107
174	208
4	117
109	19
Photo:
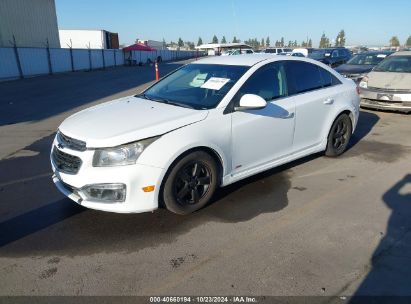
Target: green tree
303	44
295	43
164	43
282	42
215	39
340	40
262	42
324	41
190	44
267	41
408	43
394	42
180	42
235	40
200	41
310	43
223	40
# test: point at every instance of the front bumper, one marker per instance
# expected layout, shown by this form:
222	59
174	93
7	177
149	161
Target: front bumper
135	177
385	100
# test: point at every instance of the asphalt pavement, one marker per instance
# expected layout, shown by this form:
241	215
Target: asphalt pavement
317	226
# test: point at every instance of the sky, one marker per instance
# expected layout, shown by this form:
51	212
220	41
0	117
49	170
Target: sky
365	22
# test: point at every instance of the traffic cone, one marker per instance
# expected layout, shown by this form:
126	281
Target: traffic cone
157	75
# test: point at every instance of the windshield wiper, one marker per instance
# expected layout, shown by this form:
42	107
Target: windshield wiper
166	101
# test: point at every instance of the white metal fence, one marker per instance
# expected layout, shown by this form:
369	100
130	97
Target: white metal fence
26	62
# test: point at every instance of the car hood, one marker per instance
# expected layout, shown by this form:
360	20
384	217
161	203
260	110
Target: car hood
389	80
354	68
126	120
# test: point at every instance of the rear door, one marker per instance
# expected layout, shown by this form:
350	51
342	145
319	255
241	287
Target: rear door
315	91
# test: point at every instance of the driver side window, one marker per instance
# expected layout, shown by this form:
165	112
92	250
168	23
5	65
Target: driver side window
268	82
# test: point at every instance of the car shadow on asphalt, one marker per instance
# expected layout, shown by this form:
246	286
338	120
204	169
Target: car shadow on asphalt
366	123
36	219
389	272
42	97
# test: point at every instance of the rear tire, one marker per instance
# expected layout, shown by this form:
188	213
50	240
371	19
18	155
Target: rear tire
190	183
339	136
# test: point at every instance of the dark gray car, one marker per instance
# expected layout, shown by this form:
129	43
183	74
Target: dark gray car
361	64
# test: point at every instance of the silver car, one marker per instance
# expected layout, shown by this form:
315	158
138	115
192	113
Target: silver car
388	85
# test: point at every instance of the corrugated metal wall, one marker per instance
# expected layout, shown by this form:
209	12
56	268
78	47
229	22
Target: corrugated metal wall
32	22
34	61
40	61
8	67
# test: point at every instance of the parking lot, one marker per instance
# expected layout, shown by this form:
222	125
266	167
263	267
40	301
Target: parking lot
317	226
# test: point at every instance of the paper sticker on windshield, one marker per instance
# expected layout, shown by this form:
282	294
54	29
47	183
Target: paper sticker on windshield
381	55
215	83
199	80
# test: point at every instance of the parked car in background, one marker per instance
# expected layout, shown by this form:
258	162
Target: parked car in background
277	50
237	52
331	56
359	65
297	54
304	51
208	124
388	85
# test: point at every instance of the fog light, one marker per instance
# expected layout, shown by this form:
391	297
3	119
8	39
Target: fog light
105	193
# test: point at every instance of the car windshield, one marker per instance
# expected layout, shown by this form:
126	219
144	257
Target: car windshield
197	86
367	59
398	64
317	54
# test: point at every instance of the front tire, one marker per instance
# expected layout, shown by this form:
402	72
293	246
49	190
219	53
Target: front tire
191	183
339	136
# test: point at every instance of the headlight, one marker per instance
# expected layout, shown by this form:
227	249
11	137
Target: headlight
121	155
364	82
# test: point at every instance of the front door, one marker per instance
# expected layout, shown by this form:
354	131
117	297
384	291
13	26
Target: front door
261	136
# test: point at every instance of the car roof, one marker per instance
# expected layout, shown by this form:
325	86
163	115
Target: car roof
402	53
376	53
247	59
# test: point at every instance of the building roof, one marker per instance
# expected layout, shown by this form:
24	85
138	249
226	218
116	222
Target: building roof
223	45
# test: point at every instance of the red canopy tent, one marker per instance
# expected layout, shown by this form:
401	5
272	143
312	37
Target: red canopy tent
138	47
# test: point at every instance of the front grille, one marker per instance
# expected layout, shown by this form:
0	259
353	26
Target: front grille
66	163
71	143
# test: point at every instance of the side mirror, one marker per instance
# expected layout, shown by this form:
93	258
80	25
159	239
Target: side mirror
251	102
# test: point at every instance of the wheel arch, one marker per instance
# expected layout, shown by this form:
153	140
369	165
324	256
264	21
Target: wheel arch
350	115
212	152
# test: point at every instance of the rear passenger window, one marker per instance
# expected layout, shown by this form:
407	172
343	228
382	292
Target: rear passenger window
303	77
328	79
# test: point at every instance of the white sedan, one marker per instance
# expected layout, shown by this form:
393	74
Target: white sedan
208	124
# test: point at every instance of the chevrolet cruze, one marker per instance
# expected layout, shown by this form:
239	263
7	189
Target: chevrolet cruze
206	125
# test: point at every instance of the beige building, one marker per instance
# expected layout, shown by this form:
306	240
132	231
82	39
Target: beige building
31	22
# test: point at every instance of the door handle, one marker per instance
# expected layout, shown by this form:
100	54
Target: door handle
329	101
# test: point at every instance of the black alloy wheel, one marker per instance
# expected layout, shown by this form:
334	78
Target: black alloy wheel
190	183
339	136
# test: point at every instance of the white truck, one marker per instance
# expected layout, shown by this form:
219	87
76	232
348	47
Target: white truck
93	39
